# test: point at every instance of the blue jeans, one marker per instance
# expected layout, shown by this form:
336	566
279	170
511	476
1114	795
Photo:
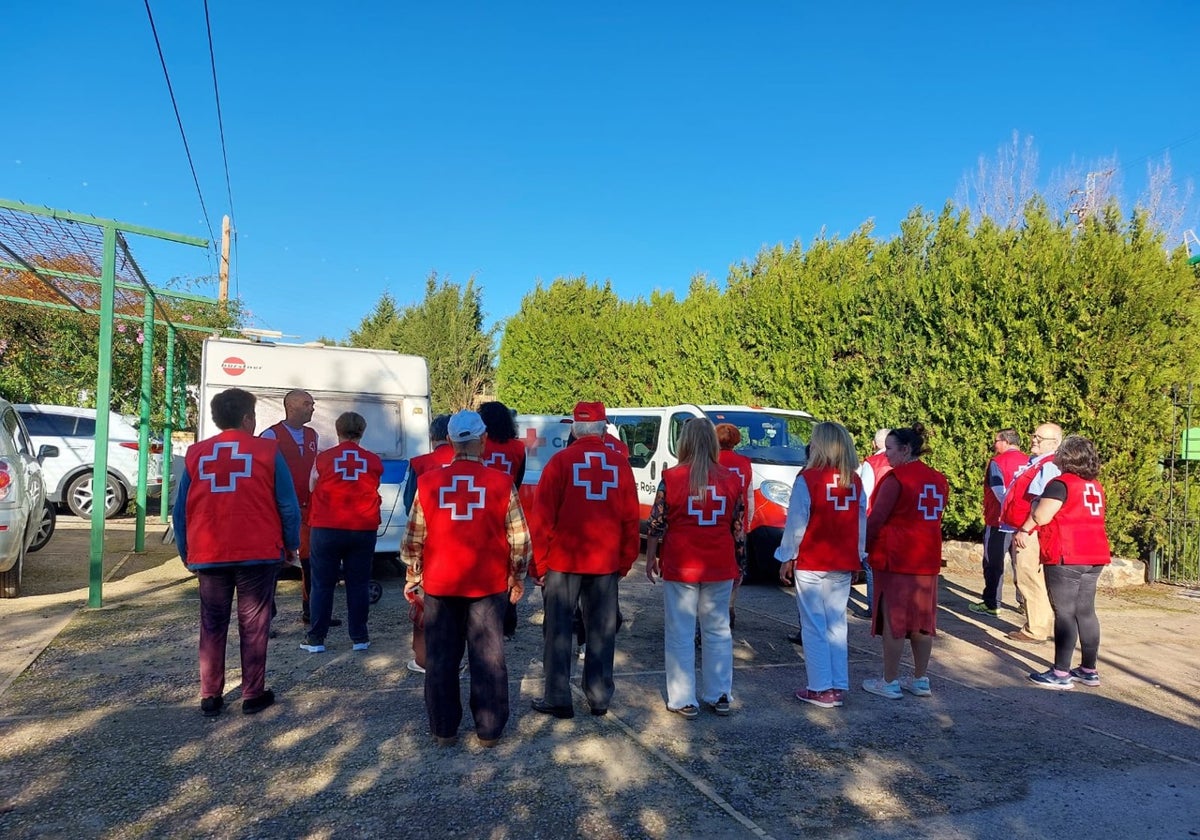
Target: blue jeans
683	603
340	552
821	598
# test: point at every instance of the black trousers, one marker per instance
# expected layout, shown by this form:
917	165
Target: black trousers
476	624
995	555
596	596
1072	592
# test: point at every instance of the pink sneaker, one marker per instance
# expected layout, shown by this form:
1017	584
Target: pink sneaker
824	699
839	696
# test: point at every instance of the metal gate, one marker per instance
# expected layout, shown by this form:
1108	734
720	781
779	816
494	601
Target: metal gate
1177	558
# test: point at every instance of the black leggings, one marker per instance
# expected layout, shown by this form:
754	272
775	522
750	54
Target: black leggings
1072	592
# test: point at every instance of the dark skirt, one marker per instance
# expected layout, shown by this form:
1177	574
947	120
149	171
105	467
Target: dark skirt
912	602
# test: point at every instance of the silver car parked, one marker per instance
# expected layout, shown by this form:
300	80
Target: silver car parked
26	519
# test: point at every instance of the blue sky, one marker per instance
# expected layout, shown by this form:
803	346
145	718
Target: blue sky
370	143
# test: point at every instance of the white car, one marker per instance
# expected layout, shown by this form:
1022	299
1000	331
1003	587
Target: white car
26	520
69	476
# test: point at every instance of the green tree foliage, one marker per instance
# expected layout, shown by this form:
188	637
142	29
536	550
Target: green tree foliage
446	327
965	329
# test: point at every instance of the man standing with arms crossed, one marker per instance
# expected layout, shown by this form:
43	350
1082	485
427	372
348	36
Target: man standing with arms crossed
586	515
298	444
1019	501
997	537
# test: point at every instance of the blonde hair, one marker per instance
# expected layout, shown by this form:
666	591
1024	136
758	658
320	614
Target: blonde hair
698	449
832	448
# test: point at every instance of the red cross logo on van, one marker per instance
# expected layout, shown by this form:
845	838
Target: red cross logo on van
1092	500
533	441
462	498
223	467
840	496
595	475
930	502
708	507
350	465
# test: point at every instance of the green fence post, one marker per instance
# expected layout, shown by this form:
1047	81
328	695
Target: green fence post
169	426
103	407
143	491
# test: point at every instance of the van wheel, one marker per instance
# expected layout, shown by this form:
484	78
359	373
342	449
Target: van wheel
79	496
45	527
10	581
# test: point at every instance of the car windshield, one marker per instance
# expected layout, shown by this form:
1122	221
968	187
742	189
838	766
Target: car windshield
769	438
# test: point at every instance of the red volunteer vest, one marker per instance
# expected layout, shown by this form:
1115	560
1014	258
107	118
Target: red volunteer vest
346	494
232	516
830	541
299	459
466	543
1008	463
1017	501
1076	534
506	457
438	458
743	468
910	542
586	510
699	545
879	467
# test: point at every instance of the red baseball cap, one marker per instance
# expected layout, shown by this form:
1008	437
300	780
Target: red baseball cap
589	412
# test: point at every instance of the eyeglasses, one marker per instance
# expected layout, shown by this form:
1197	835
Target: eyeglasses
1039	438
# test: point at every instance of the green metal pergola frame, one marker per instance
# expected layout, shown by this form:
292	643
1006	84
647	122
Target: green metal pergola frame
78	292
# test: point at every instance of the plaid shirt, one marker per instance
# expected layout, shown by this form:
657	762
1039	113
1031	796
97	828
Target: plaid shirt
413	549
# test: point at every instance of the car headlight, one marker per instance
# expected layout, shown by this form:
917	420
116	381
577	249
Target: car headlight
776	491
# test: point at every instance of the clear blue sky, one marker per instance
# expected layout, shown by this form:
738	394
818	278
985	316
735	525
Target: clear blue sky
370	143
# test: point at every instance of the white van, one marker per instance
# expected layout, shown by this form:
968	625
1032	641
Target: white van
775	439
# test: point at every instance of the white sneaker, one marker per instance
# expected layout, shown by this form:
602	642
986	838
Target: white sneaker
414	667
362	646
916	686
883	688
581	651
312	648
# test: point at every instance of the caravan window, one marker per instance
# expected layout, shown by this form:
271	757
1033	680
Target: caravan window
770	438
640	433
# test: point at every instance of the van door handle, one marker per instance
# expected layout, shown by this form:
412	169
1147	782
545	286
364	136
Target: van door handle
652	465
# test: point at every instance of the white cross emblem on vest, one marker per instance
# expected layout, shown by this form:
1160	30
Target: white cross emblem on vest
1092	500
500	461
220	465
462	498
697	506
595	475
350	465
840	496
930	502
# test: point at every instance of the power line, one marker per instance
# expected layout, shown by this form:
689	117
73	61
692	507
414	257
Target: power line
221	127
179	120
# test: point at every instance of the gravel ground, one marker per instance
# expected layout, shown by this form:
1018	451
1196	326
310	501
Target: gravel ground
100	733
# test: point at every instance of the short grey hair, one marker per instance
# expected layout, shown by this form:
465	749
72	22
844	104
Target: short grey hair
590	428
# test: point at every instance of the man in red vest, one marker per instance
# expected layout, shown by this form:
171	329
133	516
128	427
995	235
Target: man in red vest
1020	500
235	517
467	547
299	444
997	537
586	514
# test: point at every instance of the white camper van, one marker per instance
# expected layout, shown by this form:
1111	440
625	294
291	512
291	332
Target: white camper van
389	389
775	439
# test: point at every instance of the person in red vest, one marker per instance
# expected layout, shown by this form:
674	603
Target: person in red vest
235	519
587	517
503	450
824	542
299	444
344	515
699	505
467	547
441	454
872	470
1020	499
904	548
997	537
1074	549
729	437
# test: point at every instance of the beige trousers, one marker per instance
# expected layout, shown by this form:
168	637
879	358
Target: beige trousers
1039	616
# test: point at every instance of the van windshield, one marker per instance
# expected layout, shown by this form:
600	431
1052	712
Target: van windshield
769	438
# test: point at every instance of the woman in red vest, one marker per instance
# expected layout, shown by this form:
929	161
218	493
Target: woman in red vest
504	451
904	548
824	541
1074	550
699	503
729	437
344	516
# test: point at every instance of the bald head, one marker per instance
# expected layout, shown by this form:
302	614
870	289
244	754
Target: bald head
1046	439
297	408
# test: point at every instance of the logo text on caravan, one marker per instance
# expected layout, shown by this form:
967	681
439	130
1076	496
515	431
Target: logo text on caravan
236	367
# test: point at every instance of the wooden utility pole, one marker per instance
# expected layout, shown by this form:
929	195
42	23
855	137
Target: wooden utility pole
223	287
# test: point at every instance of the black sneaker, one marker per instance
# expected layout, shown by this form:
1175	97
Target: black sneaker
211	706
563	712
257	704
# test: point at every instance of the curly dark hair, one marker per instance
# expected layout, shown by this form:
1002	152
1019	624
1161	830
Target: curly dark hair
499	421
1077	455
914	437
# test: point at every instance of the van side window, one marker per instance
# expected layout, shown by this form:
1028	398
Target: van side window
640	434
677	424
